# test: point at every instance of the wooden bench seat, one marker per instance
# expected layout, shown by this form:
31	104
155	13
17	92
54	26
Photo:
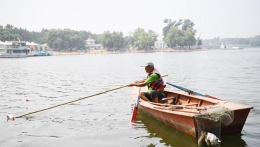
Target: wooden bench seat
167	100
190	104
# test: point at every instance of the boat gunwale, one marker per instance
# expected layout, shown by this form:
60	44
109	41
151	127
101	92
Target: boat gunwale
215	103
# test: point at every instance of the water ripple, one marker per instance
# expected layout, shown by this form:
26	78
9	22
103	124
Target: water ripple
51	81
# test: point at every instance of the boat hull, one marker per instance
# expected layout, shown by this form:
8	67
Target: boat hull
184	119
15	56
180	122
188	125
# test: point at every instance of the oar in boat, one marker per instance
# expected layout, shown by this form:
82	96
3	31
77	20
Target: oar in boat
134	113
190	91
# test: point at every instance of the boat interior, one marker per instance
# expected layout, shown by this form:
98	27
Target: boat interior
186	99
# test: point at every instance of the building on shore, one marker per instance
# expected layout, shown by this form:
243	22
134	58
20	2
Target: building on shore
160	44
90	43
38	47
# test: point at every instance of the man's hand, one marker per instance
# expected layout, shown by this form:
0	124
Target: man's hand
140	81
132	84
138	84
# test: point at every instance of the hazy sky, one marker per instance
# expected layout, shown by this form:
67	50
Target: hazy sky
212	18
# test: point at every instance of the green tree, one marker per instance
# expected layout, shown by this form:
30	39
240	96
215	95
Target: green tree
179	23
168	26
174	37
199	42
7	35
255	41
106	40
189	37
179	33
129	41
118	39
112	41
9	27
187	24
144	40
84	35
63	39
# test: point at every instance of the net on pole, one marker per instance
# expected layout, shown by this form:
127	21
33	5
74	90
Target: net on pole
210	119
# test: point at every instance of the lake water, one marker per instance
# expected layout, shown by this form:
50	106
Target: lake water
103	120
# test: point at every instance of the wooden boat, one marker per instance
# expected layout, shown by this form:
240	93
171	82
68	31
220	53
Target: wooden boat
184	119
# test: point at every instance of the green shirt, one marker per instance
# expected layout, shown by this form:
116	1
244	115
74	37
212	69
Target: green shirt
153	77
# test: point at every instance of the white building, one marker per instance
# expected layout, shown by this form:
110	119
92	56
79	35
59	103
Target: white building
90	43
160	44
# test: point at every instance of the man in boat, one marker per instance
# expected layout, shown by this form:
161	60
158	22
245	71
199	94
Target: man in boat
154	82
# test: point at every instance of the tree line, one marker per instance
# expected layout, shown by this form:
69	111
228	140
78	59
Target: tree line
57	39
139	39
176	34
67	39
253	41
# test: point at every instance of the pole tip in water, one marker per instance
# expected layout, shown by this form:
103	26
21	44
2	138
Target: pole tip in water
10	117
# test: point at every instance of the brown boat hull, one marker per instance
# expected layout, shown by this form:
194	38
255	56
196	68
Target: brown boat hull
187	124
184	119
180	122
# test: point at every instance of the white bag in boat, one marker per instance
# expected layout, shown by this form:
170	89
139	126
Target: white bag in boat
211	139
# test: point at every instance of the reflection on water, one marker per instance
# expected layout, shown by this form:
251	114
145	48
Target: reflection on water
231	75
234	139
168	135
172	137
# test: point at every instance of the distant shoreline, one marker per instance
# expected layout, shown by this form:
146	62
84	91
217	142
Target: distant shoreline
103	51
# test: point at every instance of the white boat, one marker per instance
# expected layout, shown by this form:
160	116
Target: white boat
223	45
43	53
15	50
235	47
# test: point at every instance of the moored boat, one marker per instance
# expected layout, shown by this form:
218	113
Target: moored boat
182	111
15	50
43	53
236	47
223	46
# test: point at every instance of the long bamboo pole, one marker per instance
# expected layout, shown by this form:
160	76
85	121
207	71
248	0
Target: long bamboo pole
70	101
12	117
